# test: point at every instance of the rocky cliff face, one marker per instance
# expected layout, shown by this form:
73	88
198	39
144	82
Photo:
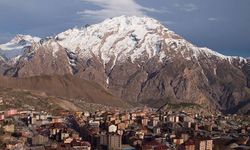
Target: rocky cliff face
136	59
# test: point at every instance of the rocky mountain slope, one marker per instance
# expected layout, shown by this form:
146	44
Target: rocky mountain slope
65	86
136	59
40	101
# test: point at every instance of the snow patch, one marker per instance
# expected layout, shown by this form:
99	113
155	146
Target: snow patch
15	48
55	47
215	71
107	81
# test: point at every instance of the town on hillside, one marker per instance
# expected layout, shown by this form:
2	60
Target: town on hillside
138	129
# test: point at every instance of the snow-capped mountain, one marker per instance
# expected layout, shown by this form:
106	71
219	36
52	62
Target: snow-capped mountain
15	48
119	38
125	38
136	59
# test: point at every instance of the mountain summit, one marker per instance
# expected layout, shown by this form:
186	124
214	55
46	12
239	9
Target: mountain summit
136	59
130	38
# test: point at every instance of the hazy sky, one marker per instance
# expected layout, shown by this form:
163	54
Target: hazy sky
222	25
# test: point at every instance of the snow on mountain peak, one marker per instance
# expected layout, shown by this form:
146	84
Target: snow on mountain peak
27	38
15	47
129	37
119	38
116	39
126	22
53	45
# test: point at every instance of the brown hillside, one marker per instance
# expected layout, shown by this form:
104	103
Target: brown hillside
63	86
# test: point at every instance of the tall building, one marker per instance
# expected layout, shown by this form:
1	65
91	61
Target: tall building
204	144
103	139
114	142
111	141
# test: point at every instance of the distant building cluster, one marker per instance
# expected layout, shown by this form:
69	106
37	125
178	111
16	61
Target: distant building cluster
138	129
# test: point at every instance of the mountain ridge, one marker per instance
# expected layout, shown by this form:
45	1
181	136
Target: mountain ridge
155	25
137	59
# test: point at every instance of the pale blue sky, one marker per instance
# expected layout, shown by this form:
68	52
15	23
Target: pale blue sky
222	25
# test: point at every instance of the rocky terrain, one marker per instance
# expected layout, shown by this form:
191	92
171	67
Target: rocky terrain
64	87
136	59
40	101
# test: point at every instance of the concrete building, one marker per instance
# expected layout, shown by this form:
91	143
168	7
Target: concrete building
189	145
114	142
112	128
204	144
39	140
1	117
